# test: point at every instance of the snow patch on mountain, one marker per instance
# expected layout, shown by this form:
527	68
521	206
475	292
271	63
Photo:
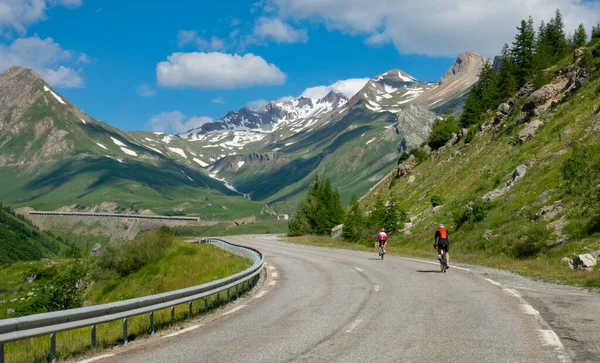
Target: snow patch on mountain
102	146
178	151
200	162
128	151
55	95
117	142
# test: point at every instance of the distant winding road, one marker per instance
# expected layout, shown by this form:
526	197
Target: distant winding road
326	305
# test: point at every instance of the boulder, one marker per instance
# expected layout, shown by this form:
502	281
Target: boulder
530	130
583	262
411	179
517	175
97	250
462	134
9	312
550	212
336	232
544	96
405	168
427	149
504	108
565	260
488	234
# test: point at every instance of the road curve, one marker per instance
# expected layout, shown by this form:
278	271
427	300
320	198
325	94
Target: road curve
346	306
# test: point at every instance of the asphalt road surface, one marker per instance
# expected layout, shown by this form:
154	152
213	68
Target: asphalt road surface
327	305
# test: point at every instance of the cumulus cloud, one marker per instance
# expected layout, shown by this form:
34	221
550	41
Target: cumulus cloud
347	87
175	122
219	100
217	71
44	56
278	31
192	37
145	90
257	104
437	27
18	14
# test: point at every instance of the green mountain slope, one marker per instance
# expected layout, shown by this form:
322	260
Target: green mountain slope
52	154
20	241
537	214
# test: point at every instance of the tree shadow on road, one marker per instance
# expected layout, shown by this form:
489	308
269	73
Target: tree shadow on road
375	259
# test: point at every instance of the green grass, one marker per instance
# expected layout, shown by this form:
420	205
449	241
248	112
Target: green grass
168	272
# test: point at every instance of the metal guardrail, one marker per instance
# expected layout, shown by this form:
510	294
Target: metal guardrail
51	323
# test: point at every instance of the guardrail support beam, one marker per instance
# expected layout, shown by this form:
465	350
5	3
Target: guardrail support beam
125	337
1	352
172	315
206	305
218	302
191	304
53	347
228	297
151	322
237	292
93	337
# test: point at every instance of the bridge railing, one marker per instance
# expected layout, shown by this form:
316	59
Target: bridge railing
51	323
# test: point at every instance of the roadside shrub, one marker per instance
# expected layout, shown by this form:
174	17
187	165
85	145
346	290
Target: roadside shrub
592	284
420	155
132	256
475	211
470	135
436	200
537	236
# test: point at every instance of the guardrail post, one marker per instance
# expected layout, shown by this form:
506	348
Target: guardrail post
53	347
206	305
172	315
228	296
93	337
125	338
151	322
218	302
237	292
191	304
1	352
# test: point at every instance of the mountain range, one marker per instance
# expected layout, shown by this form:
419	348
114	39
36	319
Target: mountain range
53	154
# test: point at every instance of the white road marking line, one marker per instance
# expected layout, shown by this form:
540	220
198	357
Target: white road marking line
183	331
549	338
261	294
271	268
529	310
330	259
275	275
235	309
492	282
511	292
376	288
358	269
96	358
272	283
354	325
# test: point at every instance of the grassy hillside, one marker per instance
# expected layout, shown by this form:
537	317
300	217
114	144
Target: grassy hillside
20	241
540	220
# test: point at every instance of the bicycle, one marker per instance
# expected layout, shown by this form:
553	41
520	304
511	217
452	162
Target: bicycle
442	259
381	250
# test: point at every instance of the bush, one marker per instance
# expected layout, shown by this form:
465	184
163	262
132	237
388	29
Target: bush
132	256
475	211
442	132
537	236
436	200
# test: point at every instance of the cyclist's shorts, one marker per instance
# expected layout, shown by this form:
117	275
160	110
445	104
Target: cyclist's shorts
381	243
445	246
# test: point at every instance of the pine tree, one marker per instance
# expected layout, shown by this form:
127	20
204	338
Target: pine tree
596	32
523	51
507	83
354	221
394	216
377	216
473	109
580	37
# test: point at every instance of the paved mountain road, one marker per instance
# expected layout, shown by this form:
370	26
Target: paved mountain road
346	306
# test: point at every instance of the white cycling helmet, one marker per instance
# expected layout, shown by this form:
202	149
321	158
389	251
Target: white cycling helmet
442	226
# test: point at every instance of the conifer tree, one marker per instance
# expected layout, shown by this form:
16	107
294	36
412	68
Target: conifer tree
507	83
596	32
580	37
354	221
523	51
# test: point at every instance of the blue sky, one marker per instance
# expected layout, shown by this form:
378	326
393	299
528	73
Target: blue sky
180	63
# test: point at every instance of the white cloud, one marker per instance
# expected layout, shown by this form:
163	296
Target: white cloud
217	71
347	87
84	59
279	31
145	90
257	104
175	122
185	37
437	27
219	99
18	14
44	56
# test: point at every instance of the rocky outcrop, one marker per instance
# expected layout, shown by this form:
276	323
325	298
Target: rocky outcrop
336	232
529	131
542	98
517	175
405	168
97	250
413	126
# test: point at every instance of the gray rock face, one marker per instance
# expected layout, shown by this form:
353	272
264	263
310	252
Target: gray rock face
405	168
504	108
529	131
550	212
543	96
414	125
97	250
336	232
